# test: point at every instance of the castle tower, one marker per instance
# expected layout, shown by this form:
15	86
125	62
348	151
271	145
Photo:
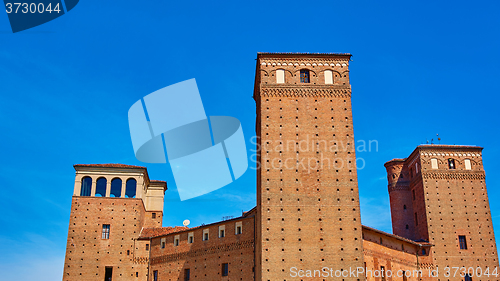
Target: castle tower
307	194
443	189
111	204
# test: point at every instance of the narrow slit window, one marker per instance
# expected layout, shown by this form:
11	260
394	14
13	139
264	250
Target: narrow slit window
225	269
187	274
463	242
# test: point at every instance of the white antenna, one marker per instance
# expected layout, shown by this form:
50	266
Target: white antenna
186	222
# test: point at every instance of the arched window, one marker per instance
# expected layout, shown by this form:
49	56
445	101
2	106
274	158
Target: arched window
86	188
100	187
451	164
116	188
280	76
328	76
130	188
304	76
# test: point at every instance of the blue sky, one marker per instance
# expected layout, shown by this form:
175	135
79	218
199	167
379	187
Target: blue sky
418	68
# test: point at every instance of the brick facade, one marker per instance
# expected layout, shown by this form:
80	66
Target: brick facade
307	214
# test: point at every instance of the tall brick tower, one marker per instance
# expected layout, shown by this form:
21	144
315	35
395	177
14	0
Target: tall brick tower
438	194
111	205
307	194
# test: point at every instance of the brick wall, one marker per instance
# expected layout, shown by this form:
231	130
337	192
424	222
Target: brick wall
204	258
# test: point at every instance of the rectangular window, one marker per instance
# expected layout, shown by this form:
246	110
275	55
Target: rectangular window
304	76
382	273
404	276
147	247
238	230
467	164
155	275
328	76
205	235
434	163
280	76
463	242
190	237
187	274
108	273
239	227
416	219
105	231
221	233
225	269
153	215
176	242
163	240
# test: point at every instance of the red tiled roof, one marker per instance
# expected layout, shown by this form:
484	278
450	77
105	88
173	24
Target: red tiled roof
147	233
110	165
422	243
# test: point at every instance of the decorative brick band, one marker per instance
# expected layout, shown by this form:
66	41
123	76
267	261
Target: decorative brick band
202	252
454	176
399	186
141	260
306	92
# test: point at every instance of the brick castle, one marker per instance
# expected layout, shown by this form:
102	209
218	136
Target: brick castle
306	224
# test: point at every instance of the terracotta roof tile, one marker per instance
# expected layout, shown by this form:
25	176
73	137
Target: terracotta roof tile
147	233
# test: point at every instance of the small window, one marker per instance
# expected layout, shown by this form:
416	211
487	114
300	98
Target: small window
155	275
225	269
205	234
451	164
381	240
407	227
467	164
221	233
153	215
136	274
402	247
238	230
304	76
190	237
382	273
105	231
187	274
413	193
147	247
163	242
328	77
280	76
404	207
463	242
86	188
467	277
434	163
424	252
176	242
128	252
416	219
404	276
